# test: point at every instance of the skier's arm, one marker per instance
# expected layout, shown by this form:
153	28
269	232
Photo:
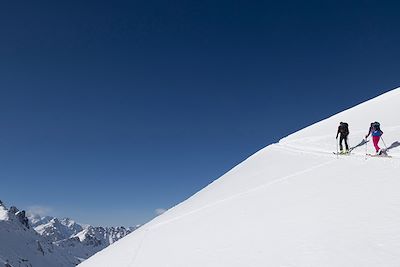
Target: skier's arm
337	133
370	128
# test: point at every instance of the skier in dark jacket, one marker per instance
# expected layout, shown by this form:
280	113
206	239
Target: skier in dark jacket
376	133
343	130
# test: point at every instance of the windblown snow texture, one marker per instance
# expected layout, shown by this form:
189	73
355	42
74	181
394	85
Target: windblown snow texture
293	203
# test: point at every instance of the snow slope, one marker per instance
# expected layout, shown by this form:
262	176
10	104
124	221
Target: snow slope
293	203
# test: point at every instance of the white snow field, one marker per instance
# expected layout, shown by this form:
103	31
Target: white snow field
293	203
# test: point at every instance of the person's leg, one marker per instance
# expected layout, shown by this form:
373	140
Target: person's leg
346	144
375	140
340	142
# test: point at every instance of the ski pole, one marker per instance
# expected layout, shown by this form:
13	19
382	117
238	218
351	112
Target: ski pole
383	142
337	149
366	148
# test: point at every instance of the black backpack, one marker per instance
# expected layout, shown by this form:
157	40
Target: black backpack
344	127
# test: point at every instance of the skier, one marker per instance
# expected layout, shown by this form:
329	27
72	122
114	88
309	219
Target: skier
343	130
376	133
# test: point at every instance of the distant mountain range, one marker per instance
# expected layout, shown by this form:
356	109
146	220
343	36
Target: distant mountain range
35	241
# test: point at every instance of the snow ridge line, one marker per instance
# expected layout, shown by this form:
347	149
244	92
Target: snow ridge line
279	180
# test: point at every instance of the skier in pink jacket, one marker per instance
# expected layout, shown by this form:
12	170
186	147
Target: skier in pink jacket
376	133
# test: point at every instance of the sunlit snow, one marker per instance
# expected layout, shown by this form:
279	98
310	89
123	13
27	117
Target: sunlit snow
293	203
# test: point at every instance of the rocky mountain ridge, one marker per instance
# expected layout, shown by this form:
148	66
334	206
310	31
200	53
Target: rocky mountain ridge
50	241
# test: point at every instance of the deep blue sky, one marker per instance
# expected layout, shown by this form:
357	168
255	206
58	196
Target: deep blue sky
112	109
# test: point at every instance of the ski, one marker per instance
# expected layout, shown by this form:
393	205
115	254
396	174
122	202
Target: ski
379	156
341	154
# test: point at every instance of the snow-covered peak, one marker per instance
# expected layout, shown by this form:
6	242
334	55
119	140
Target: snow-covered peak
14	215
104	235
3	212
55	229
68	222
290	204
21	216
36	219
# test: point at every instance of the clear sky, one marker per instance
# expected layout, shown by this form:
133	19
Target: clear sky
110	110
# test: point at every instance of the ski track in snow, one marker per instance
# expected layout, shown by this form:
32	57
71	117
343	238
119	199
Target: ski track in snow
276	181
146	231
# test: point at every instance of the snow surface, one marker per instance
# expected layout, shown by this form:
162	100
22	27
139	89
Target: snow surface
293	203
3	213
